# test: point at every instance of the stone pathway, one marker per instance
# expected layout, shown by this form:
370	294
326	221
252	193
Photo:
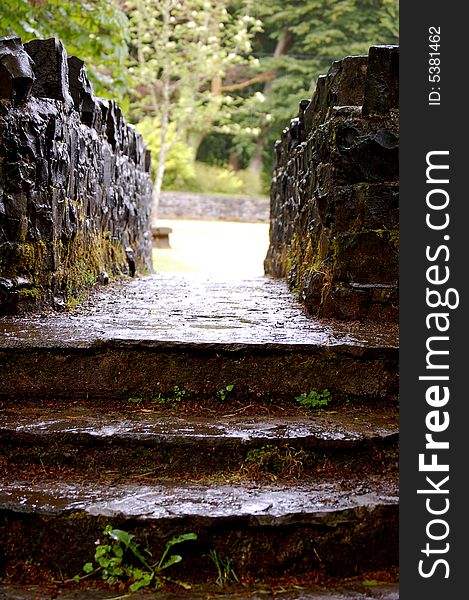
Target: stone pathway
114	414
193	308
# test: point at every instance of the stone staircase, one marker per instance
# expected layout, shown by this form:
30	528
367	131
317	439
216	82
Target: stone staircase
166	405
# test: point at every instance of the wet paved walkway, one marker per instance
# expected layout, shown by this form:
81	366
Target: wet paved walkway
195	308
350	591
325	429
264	504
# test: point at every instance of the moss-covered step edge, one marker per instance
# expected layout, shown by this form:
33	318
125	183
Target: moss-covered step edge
119	369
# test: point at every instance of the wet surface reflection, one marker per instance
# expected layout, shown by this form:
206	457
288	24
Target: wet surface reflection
191	308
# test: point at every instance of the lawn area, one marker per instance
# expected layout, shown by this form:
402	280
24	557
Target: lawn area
214	247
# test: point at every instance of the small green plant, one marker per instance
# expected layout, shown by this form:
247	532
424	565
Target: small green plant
370	582
314	399
119	559
225	570
177	396
135	400
223	392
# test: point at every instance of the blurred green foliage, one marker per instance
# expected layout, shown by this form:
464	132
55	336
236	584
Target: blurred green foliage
233	71
96	31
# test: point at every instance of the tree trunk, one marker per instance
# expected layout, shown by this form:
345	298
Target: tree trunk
255	165
283	45
256	162
162	154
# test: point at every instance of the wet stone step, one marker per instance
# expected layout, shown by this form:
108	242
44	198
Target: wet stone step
269	530
345	591
84	440
193	308
145	336
108	370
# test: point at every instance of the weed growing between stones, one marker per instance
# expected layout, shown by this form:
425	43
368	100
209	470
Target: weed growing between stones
177	396
119	559
223	392
225	570
137	400
173	399
314	400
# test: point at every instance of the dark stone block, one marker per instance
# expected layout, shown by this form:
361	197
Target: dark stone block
363	155
356	255
301	111
132	143
16	70
382	80
139	149
346	81
81	90
51	63
147	165
334	228
319	100
111	124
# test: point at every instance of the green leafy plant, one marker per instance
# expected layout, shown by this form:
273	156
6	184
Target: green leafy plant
225	570
119	559
177	396
314	399
223	392
137	400
370	582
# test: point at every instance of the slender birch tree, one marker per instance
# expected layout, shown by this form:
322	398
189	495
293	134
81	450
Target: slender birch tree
181	51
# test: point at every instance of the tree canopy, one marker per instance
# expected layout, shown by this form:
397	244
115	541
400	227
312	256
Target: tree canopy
213	79
180	54
94	30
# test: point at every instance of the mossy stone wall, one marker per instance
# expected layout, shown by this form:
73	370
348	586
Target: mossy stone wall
75	182
334	228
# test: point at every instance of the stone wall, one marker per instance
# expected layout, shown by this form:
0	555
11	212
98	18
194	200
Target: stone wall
334	229
75	181
184	205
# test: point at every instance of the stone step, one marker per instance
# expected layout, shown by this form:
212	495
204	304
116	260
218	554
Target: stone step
115	415
369	590
148	335
120	369
267	531
84	440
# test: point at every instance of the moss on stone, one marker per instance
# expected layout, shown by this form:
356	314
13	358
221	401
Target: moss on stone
23	260
81	263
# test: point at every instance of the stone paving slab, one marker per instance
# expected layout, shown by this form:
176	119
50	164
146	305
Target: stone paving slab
320	430
268	504
148	334
339	592
83	440
191	308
